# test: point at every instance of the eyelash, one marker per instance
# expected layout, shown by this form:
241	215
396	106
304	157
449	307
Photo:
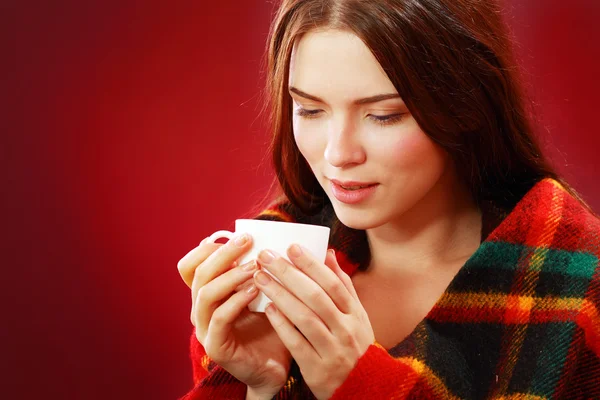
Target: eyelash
383	120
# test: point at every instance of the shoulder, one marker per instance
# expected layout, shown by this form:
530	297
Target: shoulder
559	241
543	260
550	244
549	218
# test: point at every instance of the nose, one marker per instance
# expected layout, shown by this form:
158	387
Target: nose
343	146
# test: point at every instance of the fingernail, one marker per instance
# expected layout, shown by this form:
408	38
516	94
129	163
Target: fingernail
250	266
266	257
331	251
295	251
262	277
270	309
251	289
241	240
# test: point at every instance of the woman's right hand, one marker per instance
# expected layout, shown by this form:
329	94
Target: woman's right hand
241	342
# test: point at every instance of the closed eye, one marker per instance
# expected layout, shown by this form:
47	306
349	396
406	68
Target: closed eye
378	119
302	112
387	119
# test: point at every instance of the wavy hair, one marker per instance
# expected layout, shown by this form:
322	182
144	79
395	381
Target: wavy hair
452	63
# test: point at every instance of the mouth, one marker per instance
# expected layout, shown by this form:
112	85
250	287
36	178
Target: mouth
356	187
352	192
353	185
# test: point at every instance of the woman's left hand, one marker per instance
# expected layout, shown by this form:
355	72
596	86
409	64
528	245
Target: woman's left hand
333	329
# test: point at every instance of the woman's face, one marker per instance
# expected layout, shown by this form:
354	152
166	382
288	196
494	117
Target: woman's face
352	127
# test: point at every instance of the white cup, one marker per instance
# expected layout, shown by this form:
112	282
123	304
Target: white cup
277	236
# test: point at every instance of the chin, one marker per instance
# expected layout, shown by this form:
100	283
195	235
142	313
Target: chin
358	219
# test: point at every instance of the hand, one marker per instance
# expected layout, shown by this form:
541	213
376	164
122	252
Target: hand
333	329
240	341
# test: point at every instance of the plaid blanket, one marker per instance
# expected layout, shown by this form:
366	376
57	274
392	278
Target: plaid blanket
520	320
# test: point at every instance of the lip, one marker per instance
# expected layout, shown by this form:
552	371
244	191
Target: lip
352	183
352	196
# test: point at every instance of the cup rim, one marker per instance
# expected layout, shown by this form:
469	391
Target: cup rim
284	222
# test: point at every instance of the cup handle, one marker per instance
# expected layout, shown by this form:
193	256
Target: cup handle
218	235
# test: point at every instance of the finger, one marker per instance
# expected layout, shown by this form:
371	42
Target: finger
222	259
243	286
224	316
306	320
331	262
211	295
299	347
302	286
226	291
188	264
323	276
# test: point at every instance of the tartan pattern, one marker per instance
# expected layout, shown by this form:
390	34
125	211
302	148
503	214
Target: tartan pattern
519	321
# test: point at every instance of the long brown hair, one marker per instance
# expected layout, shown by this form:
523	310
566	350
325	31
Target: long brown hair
452	63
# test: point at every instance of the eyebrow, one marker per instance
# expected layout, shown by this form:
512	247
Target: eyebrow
366	100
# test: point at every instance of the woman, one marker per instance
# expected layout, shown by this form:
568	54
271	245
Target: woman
462	266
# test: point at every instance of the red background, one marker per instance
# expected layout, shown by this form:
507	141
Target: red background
131	132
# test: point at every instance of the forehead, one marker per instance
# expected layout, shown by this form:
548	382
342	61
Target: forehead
336	60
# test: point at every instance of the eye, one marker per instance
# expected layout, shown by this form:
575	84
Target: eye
387	119
379	119
304	113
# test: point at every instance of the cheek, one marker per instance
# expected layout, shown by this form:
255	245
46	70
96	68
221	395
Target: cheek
309	142
415	152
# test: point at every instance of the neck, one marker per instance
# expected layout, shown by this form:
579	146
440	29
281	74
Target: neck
443	230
